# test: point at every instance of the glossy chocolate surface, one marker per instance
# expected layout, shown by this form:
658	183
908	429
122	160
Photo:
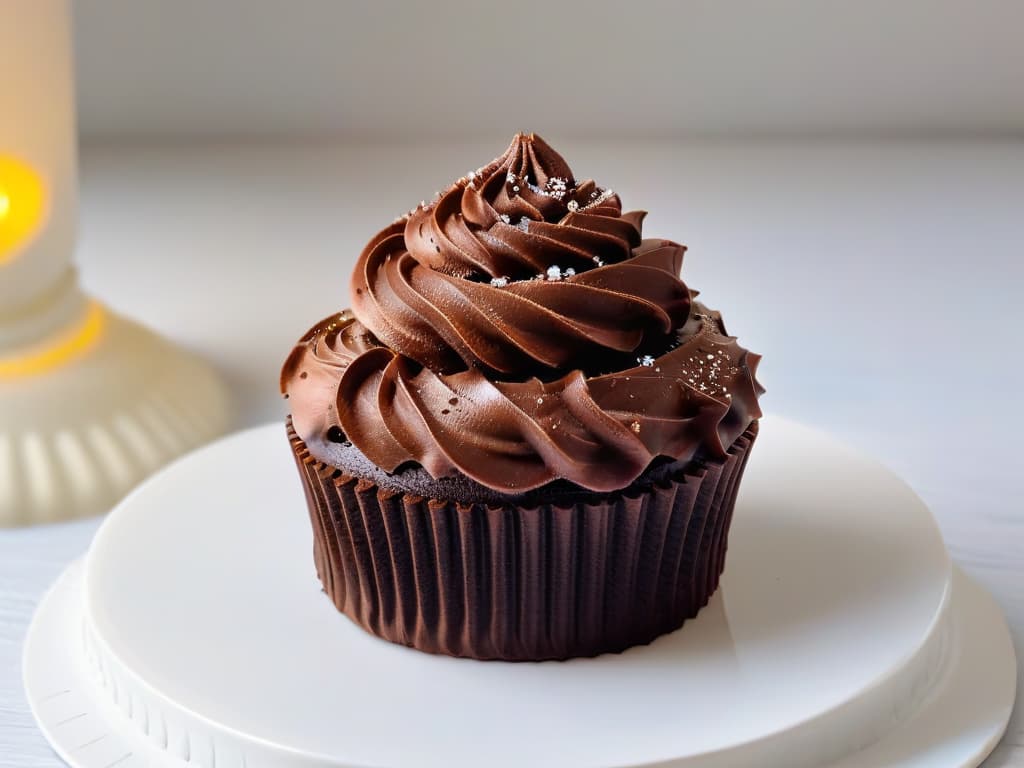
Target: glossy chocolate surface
517	331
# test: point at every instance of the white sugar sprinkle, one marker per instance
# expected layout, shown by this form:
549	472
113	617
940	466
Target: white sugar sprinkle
572	205
505	217
600	198
499	282
540	401
646	361
524	224
554	273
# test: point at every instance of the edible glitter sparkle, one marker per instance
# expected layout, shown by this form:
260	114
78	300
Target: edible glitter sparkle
605	194
557	187
706	372
646	361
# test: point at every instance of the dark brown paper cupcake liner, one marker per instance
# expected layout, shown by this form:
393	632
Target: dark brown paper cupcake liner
522	584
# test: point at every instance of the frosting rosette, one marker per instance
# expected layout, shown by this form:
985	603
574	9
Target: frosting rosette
519	330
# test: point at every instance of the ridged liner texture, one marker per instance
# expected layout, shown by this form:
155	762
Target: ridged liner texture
523	584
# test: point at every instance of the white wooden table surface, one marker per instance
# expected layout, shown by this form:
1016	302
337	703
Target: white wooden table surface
882	283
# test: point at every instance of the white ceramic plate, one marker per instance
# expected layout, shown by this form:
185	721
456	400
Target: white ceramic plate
196	630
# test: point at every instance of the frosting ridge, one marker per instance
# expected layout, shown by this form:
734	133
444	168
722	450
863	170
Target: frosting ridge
519	330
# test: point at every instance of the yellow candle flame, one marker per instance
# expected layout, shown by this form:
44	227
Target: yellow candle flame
61	350
22	206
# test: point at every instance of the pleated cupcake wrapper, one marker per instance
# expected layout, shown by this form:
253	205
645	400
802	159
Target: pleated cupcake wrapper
519	584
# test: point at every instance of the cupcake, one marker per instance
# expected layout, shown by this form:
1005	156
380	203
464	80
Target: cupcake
525	439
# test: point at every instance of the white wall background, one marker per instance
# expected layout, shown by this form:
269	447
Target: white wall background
154	69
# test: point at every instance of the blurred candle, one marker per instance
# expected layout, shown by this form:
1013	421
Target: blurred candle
38	180
87	398
22	205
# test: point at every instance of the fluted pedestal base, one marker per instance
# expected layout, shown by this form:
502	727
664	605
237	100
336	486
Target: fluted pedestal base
94	409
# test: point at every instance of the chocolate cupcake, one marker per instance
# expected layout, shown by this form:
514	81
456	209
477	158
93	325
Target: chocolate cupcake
525	440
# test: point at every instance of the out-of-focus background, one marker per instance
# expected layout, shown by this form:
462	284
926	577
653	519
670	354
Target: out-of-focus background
849	178
451	70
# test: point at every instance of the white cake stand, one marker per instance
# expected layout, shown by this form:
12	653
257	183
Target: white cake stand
195	632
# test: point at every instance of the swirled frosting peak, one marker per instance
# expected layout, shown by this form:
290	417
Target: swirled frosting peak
518	330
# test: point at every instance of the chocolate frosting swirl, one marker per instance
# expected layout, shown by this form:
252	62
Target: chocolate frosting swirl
519	330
